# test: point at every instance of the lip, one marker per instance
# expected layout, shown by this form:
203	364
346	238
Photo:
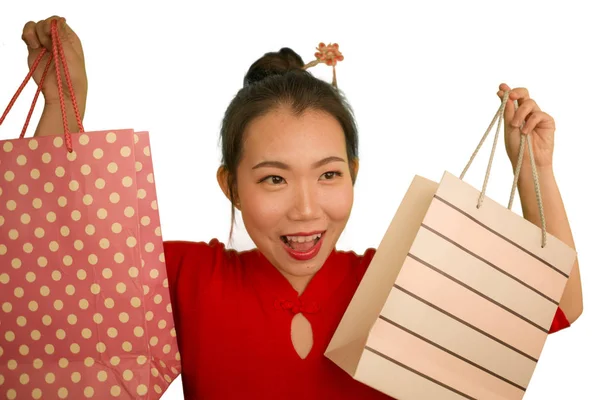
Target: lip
305	255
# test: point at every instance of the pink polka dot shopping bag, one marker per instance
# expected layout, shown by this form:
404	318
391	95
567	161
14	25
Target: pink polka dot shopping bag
85	307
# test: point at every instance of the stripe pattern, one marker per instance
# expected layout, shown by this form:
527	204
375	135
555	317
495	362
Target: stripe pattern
470	311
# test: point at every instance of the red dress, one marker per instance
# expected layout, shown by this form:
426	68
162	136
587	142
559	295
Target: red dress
233	313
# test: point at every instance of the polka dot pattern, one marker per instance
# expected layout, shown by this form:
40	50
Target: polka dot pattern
81	269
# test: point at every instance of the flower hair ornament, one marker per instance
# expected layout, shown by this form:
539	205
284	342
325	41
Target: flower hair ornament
327	54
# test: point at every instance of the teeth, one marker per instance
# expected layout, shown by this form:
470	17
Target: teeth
302	239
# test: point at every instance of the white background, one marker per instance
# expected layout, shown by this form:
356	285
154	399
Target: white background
421	77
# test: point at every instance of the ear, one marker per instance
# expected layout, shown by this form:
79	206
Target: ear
223	179
354	167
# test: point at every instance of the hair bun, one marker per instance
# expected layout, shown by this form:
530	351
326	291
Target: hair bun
273	63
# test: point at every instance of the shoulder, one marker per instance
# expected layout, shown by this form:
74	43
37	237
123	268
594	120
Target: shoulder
358	263
178	251
188	259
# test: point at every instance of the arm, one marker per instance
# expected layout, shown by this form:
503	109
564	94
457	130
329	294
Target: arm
557	225
51	122
529	119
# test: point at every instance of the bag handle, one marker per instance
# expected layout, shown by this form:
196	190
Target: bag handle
59	56
525	139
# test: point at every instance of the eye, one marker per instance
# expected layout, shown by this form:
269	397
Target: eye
330	175
273	180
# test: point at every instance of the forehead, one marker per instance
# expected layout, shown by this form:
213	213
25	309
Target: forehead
282	134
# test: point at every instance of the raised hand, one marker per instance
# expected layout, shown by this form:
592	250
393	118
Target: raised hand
529	119
37	37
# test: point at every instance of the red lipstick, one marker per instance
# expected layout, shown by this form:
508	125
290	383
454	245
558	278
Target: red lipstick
305	255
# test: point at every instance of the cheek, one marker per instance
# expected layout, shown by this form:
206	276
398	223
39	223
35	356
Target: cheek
337	202
261	211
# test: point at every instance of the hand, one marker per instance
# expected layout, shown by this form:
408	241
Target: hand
37	36
529	119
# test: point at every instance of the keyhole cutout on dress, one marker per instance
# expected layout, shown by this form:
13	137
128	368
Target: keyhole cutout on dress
302	335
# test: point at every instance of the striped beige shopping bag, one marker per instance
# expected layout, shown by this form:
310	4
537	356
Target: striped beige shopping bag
459	298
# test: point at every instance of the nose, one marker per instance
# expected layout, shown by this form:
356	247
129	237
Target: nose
305	203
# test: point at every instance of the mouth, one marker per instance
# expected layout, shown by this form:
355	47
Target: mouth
302	242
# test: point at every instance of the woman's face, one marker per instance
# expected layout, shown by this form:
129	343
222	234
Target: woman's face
295	189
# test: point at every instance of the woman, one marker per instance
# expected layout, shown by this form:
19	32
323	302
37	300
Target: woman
256	323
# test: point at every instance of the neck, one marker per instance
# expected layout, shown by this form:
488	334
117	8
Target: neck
299	283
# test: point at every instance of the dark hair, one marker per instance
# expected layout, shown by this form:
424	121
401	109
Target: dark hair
274	80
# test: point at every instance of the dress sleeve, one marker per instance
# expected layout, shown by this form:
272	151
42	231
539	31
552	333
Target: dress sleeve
361	263
560	321
192	265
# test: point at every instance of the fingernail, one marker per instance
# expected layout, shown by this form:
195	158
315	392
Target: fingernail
515	123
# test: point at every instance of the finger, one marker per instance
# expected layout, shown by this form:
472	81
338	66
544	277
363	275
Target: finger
509	108
29	36
519	94
504	87
538	119
63	29
42	29
523	112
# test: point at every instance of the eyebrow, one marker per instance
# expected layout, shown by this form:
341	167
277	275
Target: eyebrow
281	165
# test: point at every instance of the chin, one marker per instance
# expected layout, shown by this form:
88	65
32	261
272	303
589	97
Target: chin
302	269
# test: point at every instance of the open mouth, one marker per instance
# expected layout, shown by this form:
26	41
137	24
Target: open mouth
302	243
